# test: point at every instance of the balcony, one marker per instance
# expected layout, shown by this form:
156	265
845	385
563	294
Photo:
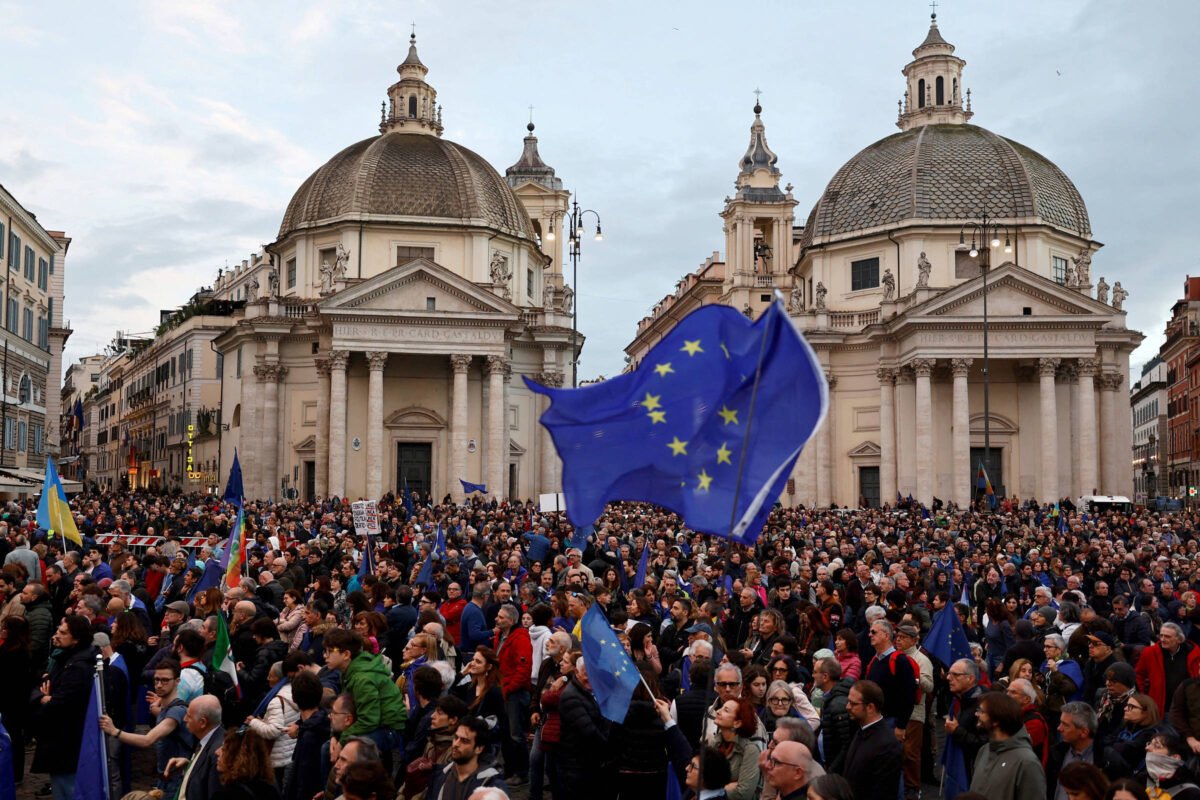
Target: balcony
853	319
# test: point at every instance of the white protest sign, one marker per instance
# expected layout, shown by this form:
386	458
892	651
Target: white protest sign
366	518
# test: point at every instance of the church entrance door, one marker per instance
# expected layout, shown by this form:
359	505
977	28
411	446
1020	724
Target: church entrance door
868	486
414	462
994	471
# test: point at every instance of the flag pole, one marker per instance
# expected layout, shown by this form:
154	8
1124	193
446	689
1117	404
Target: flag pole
98	699
762	353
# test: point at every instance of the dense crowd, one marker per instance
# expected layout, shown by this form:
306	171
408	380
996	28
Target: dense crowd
799	667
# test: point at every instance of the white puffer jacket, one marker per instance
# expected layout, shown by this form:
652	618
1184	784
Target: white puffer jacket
272	726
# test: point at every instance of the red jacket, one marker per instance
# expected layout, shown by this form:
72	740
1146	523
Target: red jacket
516	661
451	611
1152	676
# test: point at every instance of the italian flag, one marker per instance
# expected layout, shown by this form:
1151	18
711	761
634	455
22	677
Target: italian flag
223	654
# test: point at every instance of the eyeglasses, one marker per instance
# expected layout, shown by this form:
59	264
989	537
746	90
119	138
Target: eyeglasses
956	674
164	680
1128	707
773	762
780	701
780	669
691	766
727	684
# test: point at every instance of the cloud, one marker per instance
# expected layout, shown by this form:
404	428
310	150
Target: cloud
24	166
208	24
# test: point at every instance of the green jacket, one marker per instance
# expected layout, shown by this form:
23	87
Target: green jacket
1009	770
377	700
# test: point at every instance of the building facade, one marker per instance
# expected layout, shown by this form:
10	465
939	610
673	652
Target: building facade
384	335
33	335
1148	403
895	282
79	384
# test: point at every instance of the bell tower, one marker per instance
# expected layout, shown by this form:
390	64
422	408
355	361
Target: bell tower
412	103
934	90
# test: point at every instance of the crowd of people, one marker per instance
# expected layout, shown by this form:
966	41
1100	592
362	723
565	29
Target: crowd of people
446	662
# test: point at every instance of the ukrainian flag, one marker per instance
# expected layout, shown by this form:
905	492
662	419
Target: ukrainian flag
54	514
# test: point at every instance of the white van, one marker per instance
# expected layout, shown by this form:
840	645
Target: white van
1101	503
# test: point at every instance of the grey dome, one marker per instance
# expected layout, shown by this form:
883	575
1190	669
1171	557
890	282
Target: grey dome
406	174
945	172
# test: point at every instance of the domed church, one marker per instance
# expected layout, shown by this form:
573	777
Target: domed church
386	328
899	287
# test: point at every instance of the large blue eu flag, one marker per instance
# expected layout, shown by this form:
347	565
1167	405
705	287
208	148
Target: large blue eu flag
709	425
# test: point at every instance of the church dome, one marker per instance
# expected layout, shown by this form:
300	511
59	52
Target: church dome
945	172
410	175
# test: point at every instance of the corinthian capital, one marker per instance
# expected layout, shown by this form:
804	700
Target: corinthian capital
1048	366
460	363
376	360
959	367
886	375
923	367
338	359
496	364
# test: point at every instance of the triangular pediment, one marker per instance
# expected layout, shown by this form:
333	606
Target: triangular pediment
408	288
1010	291
306	445
865	450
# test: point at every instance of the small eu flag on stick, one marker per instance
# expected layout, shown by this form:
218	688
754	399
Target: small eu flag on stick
610	671
709	425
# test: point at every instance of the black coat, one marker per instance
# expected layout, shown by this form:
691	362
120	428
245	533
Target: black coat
60	721
872	764
253	789
204	783
640	741
837	729
584	736
253	680
969	736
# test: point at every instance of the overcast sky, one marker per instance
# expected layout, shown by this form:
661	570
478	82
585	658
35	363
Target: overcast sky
167	137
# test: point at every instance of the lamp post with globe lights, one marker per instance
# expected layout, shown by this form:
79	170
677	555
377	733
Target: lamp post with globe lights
985	236
573	223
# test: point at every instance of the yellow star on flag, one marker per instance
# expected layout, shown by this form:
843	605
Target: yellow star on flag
705	481
692	347
723	454
729	415
651	401
664	369
678	448
658	416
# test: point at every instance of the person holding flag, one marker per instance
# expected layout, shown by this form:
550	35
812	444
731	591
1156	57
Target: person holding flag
61	709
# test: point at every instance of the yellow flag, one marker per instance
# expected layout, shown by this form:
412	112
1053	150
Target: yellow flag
62	520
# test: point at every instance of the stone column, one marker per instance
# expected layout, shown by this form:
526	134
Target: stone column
923	369
460	364
269	376
376	361
250	456
825	450
549	477
1068	374
959	367
1048	484
322	476
887	435
337	422
1110	465
1086	412
494	473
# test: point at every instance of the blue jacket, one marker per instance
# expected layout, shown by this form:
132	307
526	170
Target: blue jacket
473	630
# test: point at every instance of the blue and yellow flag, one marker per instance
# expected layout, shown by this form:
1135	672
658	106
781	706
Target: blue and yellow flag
709	425
54	514
610	671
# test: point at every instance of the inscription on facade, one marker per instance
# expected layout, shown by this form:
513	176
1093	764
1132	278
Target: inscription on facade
1008	338
418	333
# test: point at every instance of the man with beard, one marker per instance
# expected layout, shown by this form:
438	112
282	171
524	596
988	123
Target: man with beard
874	755
464	774
1007	768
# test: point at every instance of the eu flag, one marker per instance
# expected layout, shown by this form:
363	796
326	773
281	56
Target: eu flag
609	669
470	488
946	640
408	501
709	425
367	565
639	580
91	775
580	536
233	487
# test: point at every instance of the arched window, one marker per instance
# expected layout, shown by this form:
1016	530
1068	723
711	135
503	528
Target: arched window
237	416
940	90
921	93
412	106
954	97
25	394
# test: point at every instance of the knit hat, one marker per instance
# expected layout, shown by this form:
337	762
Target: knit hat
1121	673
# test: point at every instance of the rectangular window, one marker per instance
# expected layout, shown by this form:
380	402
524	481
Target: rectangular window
965	267
237	370
431	304
864	274
1058	269
407	254
14	250
529	283
52	260
43	279
291	273
50	315
30	264
38	439
1	241
27	327
43	334
22	434
10	433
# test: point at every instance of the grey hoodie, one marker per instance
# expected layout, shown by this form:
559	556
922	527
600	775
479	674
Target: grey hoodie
1008	769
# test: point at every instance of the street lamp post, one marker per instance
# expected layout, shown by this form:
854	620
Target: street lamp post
573	222
989	237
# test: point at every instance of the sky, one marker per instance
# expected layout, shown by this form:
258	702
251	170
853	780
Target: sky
166	138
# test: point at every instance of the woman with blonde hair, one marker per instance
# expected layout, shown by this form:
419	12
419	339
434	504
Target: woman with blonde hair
420	650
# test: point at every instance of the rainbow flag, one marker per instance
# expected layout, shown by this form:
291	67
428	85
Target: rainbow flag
983	482
234	558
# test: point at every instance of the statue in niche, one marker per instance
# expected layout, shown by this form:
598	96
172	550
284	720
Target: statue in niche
326	277
1083	267
272	284
568	298
820	293
252	288
500	273
1119	296
341	262
889	285
1070	281
1102	290
550	291
796	300
923	270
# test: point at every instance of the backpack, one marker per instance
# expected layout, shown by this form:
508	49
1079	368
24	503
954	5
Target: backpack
1032	714
916	668
220	685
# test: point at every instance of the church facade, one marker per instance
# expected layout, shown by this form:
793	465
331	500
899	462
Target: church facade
387	329
945	279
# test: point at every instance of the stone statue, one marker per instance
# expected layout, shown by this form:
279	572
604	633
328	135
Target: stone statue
549	291
1070	281
1119	296
820	293
326	277
923	270
796	300
500	273
568	298
1083	267
341	262
1102	290
748	311
272	284
889	285
252	288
